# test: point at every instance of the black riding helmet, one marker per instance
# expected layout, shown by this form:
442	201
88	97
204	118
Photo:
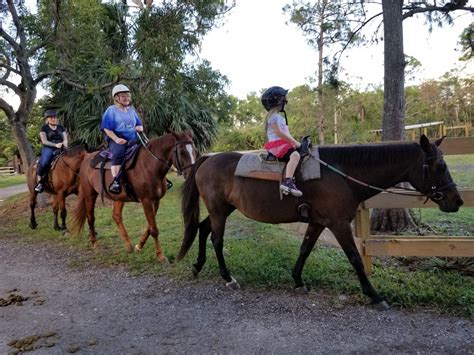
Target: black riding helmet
273	97
50	113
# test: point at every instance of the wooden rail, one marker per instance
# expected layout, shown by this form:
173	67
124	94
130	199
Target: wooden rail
7	170
384	245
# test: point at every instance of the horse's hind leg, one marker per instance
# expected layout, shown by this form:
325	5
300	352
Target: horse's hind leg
33	223
204	231
117	217
311	236
217	238
62	206
90	208
343	234
55	212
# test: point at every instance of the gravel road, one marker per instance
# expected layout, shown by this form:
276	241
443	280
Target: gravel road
56	301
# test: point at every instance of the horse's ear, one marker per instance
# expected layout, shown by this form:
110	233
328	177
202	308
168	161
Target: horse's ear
425	144
438	141
189	133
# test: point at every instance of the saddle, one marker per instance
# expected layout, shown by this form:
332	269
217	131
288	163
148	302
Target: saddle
265	166
102	160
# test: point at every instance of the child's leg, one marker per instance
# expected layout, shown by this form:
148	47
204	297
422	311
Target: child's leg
292	164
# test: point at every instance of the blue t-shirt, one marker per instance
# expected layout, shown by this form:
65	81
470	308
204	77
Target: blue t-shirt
121	123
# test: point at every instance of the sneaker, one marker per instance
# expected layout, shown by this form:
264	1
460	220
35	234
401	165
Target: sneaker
288	187
39	188
115	187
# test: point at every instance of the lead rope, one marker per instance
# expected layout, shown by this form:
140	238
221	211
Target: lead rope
357	181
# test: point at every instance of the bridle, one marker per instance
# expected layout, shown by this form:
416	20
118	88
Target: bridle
144	140
435	193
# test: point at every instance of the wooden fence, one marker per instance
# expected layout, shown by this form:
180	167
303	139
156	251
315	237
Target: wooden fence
7	170
383	245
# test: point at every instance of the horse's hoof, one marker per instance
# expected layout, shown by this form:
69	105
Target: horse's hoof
163	260
56	228
302	290
382	306
65	231
233	284
137	248
33	225
195	271
129	248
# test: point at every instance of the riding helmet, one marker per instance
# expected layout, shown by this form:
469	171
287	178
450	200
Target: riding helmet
273	97
118	89
50	113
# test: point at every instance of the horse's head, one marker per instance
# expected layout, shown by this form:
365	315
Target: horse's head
435	180
185	153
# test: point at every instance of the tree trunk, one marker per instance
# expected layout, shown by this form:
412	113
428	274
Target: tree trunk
393	122
24	146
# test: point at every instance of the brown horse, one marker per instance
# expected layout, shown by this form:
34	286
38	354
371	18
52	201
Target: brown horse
333	199
62	181
147	180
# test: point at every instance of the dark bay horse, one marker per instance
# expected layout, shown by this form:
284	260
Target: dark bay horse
61	182
333	198
146	178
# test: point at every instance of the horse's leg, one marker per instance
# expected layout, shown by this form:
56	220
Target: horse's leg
343	233
55	212
150	210
62	205
217	238
117	216
146	232
90	207
204	231
311	236
33	223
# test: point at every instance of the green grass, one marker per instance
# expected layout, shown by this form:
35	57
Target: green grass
260	256
461	168
10	180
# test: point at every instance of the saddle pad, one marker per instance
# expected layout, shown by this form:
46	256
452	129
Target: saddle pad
104	156
253	166
311	168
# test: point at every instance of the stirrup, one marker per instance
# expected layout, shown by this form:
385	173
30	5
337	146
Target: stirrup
39	188
115	187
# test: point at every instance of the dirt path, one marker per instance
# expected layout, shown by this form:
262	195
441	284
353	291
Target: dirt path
6	192
93	309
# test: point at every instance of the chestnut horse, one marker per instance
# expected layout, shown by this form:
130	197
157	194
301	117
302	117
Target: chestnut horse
147	179
62	181
333	199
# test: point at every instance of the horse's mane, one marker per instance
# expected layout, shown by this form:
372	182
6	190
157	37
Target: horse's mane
72	151
366	155
158	141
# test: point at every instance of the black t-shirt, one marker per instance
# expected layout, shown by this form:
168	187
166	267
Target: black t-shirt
54	135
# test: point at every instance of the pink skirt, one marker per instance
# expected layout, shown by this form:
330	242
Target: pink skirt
278	147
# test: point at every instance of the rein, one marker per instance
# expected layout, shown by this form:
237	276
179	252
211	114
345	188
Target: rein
144	140
435	194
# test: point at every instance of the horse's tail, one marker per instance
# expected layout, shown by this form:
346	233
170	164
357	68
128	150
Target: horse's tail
80	214
190	209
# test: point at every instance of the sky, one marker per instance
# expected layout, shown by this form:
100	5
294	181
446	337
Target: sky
255	48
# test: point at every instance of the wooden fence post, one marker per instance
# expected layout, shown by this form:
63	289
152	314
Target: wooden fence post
362	231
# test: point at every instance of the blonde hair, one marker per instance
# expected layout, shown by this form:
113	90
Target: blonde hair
276	109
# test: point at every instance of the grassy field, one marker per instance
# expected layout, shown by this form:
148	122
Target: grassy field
10	180
260	256
461	168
